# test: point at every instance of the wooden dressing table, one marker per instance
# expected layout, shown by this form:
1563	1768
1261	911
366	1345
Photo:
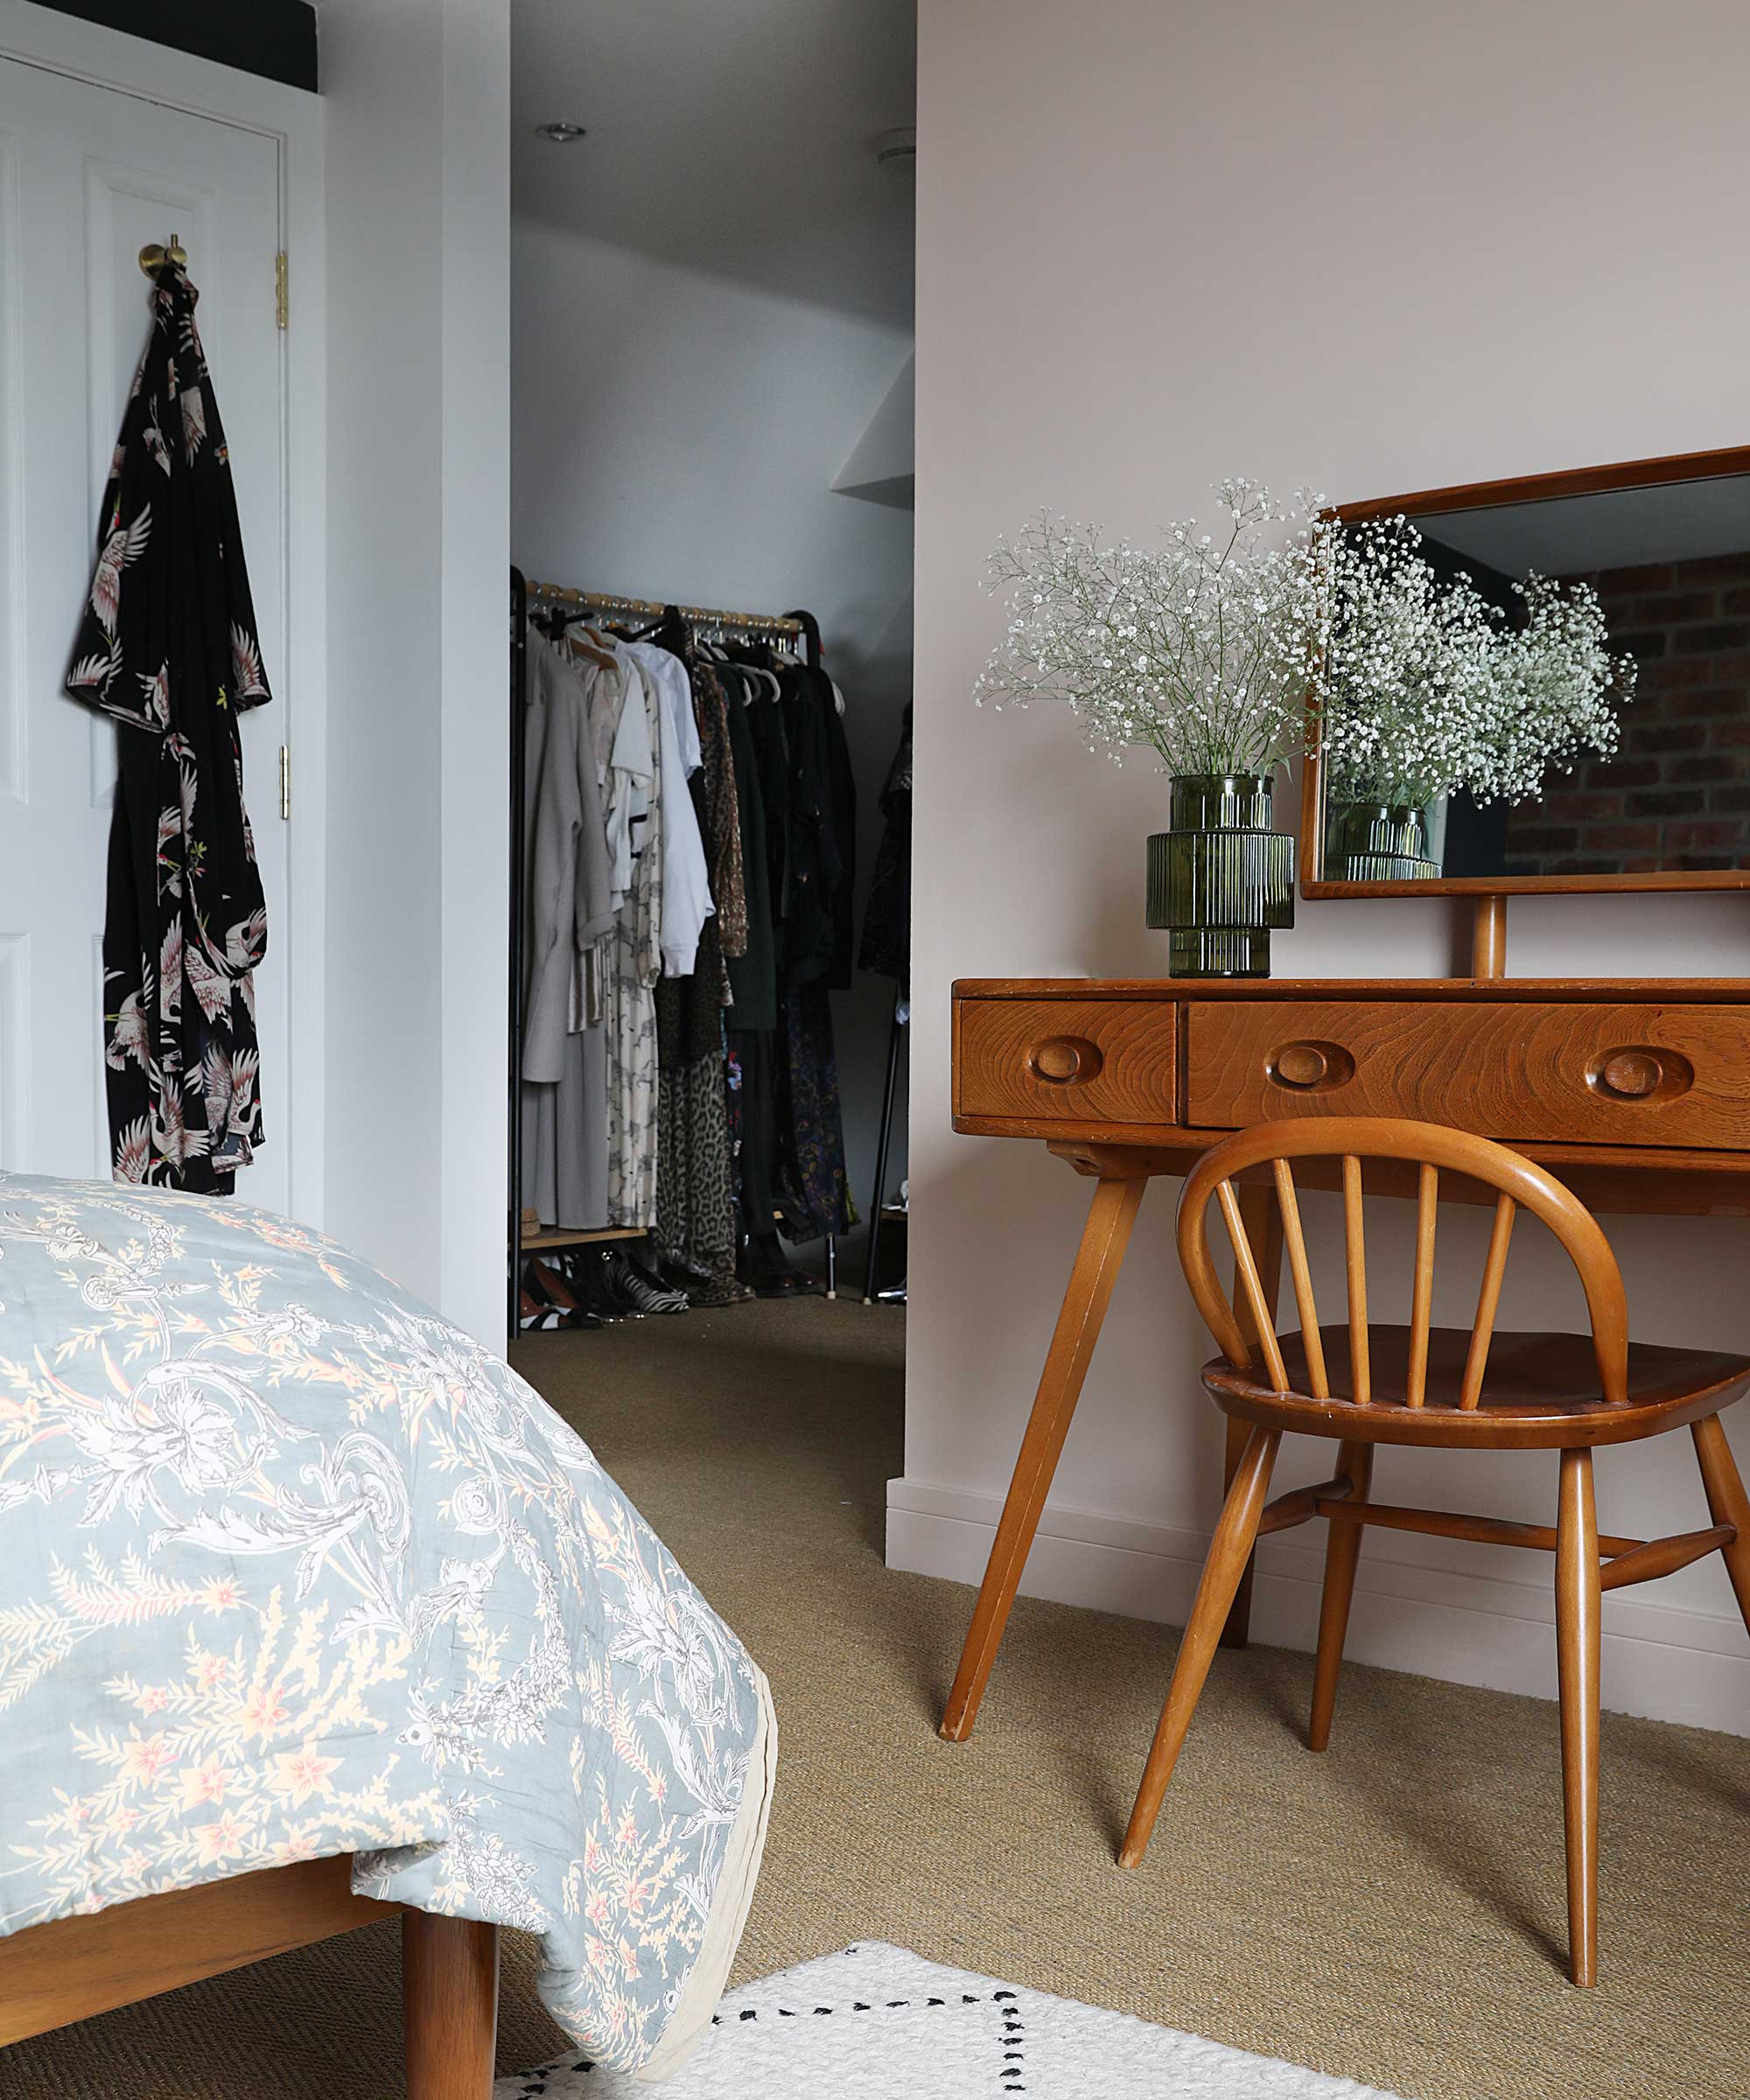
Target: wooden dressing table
1636	1093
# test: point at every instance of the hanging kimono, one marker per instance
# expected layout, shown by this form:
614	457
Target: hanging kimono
169	648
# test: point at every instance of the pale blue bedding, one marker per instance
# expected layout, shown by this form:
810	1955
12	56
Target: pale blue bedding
290	1567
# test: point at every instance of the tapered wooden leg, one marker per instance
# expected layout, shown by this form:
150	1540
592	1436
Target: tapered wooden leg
1342	1552
1228	1550
1262	1220
1577	1653
1727	1503
1097	1262
449	1985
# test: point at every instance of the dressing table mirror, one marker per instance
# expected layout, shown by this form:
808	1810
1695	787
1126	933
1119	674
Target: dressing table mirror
1665	546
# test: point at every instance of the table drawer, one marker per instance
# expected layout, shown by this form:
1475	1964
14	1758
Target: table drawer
1066	1060
1555	1073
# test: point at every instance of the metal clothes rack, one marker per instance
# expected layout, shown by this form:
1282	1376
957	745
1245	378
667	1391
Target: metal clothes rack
705	624
880	1209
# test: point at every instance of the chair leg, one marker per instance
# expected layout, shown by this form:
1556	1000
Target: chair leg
1342	1552
1228	1552
449	1969
1727	1503
1577	1652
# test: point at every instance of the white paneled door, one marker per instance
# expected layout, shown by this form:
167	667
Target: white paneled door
87	177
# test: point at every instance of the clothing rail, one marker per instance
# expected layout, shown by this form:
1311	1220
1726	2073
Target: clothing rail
792	626
527	596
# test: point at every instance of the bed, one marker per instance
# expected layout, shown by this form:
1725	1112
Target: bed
312	1611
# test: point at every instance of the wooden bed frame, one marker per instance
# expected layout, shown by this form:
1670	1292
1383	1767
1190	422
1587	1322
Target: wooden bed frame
52	1975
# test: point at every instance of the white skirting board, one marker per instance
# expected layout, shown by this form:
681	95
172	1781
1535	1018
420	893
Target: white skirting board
1669	1661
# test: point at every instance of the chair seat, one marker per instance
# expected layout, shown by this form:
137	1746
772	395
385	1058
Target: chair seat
1540	1391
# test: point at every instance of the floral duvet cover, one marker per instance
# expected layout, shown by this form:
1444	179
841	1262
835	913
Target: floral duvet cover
290	1567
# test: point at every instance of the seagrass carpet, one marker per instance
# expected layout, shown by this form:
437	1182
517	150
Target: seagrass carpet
1392	1913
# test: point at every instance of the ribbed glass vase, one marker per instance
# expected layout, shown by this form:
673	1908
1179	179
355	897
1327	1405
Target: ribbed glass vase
1382	841
1221	880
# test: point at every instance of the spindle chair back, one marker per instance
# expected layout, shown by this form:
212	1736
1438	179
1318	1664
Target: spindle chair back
1431	1147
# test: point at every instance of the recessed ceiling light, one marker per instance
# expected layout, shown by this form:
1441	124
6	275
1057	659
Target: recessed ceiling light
897	148
560	135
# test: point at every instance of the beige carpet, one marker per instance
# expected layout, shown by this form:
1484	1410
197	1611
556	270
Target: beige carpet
1392	1912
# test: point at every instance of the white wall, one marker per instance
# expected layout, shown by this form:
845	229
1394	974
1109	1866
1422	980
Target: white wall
678	436
417	103
1371	248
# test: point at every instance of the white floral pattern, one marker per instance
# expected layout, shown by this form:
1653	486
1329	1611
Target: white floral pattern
289	1567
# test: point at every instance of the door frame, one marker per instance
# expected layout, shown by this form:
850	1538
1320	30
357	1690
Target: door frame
293	119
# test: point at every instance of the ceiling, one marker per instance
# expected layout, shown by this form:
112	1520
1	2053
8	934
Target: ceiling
736	136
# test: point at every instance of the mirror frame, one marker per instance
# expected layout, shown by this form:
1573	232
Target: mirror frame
1481	495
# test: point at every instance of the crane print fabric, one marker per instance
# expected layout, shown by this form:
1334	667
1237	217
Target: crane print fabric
169	648
291	1568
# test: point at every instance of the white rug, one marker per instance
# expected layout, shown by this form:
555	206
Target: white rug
878	2023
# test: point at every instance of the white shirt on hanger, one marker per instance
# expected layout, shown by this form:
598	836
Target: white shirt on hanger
686	875
622	733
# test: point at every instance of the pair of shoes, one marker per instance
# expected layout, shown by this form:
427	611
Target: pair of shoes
638	1289
549	1297
533	1318
712	1291
613	1287
764	1266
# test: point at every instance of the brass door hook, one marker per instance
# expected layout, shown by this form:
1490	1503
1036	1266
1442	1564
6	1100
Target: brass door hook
153	257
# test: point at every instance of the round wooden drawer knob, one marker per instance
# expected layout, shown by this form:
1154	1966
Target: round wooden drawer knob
1300	1064
1064	1058
1633	1074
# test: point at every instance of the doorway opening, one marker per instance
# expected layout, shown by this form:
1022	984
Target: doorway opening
712	244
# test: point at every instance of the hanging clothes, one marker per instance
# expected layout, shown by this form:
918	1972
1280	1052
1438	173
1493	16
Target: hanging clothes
822	825
790	1153
813	1188
686	878
753	967
169	648
813	1191
695	1207
627	712
888	916
569	901
726	830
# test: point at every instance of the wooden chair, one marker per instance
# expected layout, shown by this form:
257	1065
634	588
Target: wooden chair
1458	1389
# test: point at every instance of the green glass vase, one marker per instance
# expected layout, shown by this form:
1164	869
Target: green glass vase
1221	880
1384	842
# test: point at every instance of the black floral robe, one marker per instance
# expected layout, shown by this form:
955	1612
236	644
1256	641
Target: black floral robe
169	648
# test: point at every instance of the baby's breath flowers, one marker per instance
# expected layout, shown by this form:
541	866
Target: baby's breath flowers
1208	649
1555	693
1202	650
1401	692
1424	688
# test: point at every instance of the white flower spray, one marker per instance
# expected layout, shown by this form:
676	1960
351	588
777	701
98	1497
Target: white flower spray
1555	692
1401	692
1211	648
1425	688
1202	650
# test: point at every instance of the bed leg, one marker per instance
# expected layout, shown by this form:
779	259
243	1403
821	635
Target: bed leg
449	1982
